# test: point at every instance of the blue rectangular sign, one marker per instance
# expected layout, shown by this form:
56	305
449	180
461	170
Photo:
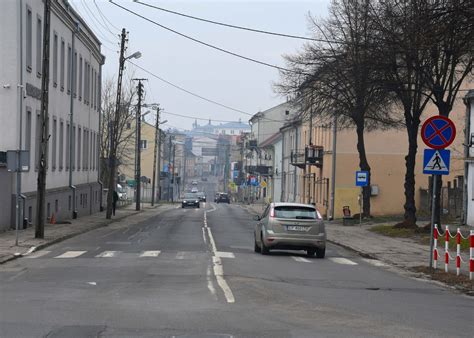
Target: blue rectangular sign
436	162
362	178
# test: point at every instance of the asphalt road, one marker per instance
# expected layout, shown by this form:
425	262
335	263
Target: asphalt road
193	273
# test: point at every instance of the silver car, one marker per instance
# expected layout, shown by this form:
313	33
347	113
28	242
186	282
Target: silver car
290	226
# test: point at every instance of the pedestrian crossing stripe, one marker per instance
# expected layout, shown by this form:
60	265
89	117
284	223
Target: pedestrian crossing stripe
436	162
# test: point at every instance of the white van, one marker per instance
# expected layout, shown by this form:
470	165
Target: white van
122	193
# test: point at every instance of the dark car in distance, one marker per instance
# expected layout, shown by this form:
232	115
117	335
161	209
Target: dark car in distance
223	198
202	196
190	200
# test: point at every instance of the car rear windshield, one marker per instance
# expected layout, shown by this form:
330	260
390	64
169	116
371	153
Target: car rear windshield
201	194
190	195
295	212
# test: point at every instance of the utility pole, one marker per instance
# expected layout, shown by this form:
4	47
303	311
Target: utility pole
114	129
157	136
138	141
333	169
174	177
159	165
44	120
169	170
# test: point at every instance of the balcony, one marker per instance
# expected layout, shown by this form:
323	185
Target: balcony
314	155
311	155
298	158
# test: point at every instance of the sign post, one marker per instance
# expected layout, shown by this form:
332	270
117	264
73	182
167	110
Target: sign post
438	132
362	180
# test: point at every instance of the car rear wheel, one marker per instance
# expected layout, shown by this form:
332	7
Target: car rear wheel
320	253
256	248
310	253
263	248
198	206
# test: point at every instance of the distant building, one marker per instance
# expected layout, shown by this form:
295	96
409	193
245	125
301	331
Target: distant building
228	128
20	94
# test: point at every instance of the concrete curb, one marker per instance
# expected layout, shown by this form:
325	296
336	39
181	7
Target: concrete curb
32	249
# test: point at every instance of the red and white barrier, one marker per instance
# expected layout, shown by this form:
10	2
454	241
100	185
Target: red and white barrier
447	256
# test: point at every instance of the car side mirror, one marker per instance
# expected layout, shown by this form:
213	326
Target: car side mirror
257	218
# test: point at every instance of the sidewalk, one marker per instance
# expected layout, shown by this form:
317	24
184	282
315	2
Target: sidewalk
399	252
54	233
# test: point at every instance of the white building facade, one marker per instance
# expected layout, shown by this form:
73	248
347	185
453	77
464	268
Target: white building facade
72	182
469	159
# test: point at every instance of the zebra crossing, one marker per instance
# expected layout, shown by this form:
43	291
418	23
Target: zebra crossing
180	255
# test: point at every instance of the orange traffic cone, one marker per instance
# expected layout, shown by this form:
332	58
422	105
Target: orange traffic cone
53	219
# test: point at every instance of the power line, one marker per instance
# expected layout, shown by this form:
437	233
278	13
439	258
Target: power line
189	92
195	117
197	95
93	21
208	44
230	25
105	18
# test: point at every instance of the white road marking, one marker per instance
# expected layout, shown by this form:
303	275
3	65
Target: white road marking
204	235
107	254
217	263
71	254
301	259
180	255
219	273
33	248
37	254
210	285
342	260
150	253
374	262
223	254
92	283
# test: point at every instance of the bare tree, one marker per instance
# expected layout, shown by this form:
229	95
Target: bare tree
423	61
125	133
345	78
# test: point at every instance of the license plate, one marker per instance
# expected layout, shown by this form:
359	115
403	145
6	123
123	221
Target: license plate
296	228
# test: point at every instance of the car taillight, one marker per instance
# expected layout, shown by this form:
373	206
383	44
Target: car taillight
272	212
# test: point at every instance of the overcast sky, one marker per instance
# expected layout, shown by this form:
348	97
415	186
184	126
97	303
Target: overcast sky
212	74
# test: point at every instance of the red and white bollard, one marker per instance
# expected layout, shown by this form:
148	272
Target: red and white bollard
471	254
458	252
435	246
446	250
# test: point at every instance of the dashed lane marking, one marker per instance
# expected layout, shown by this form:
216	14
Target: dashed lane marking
301	259
71	254
150	253
223	254
107	254
342	260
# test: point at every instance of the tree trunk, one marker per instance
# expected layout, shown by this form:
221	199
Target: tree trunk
364	165
410	161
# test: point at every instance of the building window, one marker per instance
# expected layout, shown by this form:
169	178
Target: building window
39	44
143	144
98	92
61	72
68	140
48	210
79	148
74	69
84	151
28	131
56	206
37	139
55	60
85	82
54	144
69	203
73	152
61	145
29	39
80	77
69	68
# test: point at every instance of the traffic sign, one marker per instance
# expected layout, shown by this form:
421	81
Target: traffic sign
362	178
436	162
438	132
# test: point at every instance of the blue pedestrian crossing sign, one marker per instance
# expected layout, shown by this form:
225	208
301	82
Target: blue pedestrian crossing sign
436	162
362	178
